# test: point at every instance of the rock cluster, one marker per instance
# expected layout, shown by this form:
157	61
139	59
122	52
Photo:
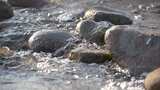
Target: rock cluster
131	46
93	29
135	48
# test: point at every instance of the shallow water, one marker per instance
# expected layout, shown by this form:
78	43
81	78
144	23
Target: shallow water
40	71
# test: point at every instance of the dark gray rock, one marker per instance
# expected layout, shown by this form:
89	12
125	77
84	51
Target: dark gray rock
137	49
27	3
93	31
85	27
152	81
6	11
48	41
114	16
89	55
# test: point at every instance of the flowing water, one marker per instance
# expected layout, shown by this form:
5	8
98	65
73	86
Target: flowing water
25	70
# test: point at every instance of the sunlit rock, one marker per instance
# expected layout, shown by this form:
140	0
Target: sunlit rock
137	49
152	81
114	16
89	55
5	51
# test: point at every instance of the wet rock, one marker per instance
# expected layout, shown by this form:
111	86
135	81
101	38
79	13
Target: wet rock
90	56
27	3
6	11
5	51
48	41
152	81
93	31
114	16
137	49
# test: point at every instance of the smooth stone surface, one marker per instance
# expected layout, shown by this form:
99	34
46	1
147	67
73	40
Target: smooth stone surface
152	81
48	41
114	16
137	49
93	31
6	11
27	3
89	55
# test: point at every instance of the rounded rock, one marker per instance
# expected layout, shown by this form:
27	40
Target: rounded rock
48	41
93	31
85	27
114	16
152	81
6	11
27	3
133	47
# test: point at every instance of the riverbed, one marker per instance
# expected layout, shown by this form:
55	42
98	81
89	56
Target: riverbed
27	70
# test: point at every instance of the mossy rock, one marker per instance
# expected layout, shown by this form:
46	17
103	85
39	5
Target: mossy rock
90	56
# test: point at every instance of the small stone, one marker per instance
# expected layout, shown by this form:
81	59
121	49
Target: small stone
152	81
90	56
114	16
48	41
85	26
6	11
93	31
27	3
5	51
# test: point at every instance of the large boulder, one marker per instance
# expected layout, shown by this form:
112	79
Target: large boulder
48	41
116	17
6	11
152	81
89	55
27	3
137	49
93	31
